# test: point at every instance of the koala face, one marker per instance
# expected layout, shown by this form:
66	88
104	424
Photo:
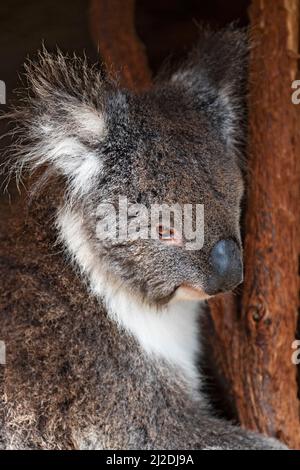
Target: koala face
164	152
175	144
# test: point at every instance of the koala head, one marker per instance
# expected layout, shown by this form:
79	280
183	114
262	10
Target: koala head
175	144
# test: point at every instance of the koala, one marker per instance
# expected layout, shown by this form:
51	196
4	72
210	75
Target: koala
102	335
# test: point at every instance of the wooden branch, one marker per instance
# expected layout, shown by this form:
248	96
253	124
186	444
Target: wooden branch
113	30
270	300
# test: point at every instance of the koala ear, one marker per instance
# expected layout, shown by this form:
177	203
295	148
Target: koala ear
62	121
215	76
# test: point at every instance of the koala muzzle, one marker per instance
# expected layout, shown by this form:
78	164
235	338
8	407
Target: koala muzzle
227	267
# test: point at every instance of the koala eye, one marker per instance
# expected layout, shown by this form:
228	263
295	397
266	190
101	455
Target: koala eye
165	233
169	235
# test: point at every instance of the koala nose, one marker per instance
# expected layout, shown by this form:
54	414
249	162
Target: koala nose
226	262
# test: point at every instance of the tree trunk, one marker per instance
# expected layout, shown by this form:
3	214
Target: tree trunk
253	335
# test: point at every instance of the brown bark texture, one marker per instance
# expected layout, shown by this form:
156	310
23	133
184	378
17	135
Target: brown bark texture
253	335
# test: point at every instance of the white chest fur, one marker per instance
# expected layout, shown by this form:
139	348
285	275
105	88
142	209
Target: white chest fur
170	333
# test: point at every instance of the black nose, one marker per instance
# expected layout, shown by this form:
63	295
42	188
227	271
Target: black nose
227	267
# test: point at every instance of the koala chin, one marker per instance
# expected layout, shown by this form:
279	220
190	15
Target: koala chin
102	334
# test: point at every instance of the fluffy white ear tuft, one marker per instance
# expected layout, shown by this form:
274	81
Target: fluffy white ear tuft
62	123
73	154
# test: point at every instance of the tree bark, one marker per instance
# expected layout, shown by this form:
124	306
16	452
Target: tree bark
253	334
